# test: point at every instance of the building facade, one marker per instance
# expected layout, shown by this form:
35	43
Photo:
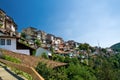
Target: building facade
7	24
10	43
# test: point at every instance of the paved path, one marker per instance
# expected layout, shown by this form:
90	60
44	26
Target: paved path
7	74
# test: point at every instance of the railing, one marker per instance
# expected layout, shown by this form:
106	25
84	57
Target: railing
23	68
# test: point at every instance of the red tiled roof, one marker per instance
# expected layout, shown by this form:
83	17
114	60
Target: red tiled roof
61	52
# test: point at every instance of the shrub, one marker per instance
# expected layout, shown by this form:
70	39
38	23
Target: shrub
43	55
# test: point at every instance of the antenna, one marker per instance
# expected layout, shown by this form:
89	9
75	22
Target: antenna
98	47
98	43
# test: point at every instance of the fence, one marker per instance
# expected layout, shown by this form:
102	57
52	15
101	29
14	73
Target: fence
23	68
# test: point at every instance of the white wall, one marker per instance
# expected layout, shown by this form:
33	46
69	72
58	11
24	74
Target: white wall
9	47
22	51
12	47
58	41
12	28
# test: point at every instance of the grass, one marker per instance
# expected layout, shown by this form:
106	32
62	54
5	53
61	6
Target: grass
12	59
19	72
26	75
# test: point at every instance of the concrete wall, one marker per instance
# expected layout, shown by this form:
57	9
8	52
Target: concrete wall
22	51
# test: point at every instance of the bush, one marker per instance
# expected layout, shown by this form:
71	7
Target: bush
34	53
43	55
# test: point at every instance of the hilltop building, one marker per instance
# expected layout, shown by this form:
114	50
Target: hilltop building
7	24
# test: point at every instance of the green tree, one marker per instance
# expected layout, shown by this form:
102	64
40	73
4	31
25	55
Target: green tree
43	55
79	72
38	42
43	70
57	57
23	35
51	74
84	46
51	49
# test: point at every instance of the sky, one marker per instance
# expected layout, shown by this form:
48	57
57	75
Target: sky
85	21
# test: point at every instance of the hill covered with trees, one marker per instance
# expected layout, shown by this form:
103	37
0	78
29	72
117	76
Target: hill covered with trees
116	47
99	67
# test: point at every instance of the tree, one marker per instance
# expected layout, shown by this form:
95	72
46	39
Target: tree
38	42
57	57
43	70
51	74
23	35
43	55
79	72
84	46
51	49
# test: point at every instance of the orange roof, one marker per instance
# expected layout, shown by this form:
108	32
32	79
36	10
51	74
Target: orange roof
61	52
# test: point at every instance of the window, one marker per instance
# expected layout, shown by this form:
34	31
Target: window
2	41
8	42
1	18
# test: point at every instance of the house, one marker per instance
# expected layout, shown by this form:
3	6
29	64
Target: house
109	50
11	43
50	39
7	24
2	19
71	44
21	46
39	34
58	40
40	51
77	44
31	31
32	34
66	46
10	26
63	53
35	34
43	37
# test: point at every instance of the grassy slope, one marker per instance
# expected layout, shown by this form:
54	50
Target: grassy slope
32	60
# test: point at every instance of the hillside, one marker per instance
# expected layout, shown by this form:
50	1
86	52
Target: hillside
32	60
116	47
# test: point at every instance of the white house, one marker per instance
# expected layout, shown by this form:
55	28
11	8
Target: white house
10	43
